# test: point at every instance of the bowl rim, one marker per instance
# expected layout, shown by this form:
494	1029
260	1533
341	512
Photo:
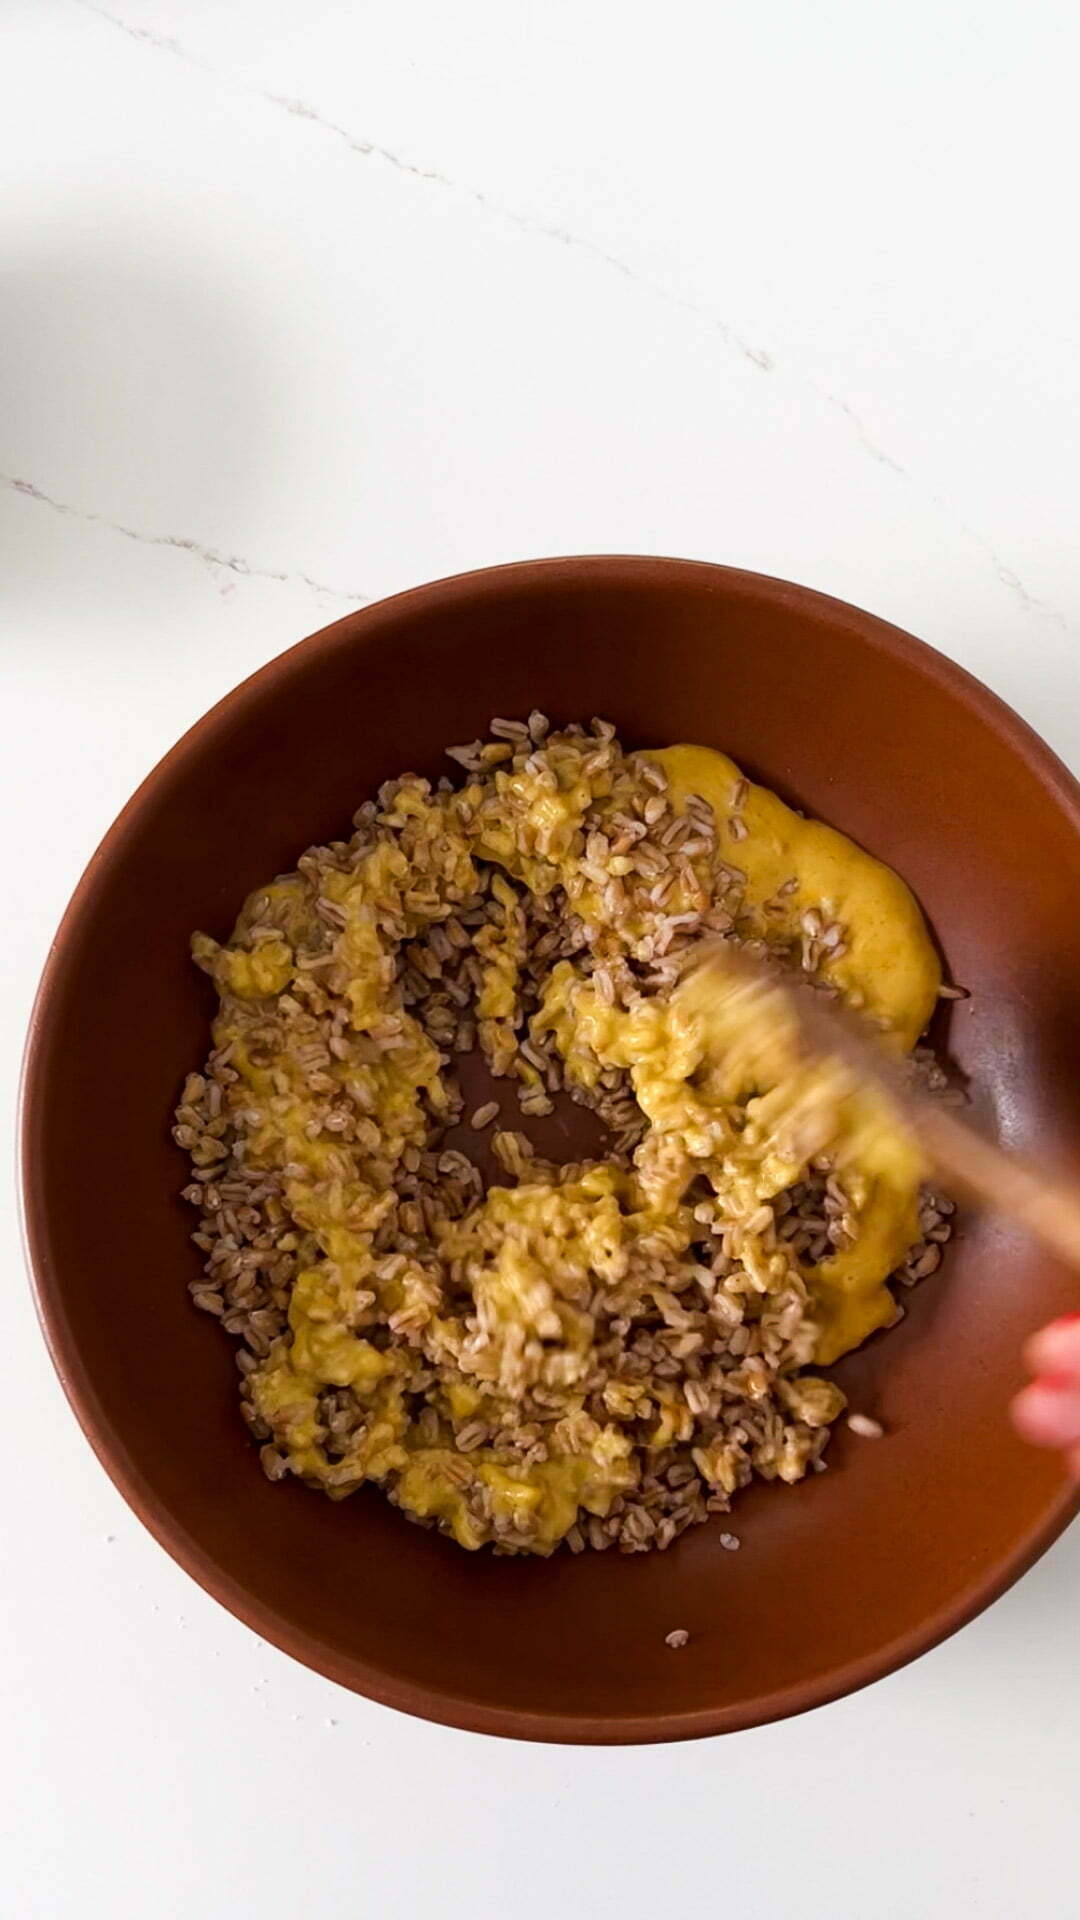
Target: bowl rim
426	1701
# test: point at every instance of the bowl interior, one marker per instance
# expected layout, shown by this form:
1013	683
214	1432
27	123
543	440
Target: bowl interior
837	1579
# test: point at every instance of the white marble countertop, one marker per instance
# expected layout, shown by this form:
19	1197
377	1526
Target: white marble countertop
301	304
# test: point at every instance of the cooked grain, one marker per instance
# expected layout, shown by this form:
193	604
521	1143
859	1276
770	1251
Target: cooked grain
866	1428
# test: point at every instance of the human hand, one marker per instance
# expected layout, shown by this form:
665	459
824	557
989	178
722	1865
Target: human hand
1048	1411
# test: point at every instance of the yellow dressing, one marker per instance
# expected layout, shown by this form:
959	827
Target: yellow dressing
890	966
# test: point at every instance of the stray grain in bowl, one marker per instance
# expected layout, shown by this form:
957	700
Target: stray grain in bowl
602	1353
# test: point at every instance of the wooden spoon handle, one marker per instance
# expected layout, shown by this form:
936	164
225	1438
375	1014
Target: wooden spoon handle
1000	1180
1003	1181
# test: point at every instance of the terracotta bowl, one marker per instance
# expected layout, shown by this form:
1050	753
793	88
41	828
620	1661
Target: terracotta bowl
839	1580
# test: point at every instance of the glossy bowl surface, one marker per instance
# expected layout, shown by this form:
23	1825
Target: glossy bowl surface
839	1580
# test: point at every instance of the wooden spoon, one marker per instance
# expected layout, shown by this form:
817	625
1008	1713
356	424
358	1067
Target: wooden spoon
990	1176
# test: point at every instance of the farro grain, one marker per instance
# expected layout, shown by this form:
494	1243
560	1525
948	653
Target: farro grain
866	1428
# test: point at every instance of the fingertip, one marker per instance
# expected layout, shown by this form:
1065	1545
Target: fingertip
1048	1412
1055	1347
1027	1424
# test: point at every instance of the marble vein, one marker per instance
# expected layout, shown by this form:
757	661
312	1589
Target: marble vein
1016	587
864	437
1006	575
760	358
525	223
497	209
163	41
208	556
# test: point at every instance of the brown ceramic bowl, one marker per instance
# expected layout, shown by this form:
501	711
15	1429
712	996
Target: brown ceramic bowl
840	1579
